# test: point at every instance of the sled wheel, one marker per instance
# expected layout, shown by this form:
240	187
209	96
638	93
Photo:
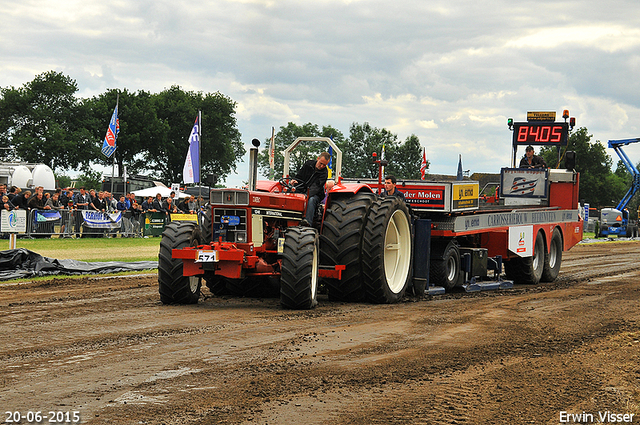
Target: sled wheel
528	270
553	259
444	269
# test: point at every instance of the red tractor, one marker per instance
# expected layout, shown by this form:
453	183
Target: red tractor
251	242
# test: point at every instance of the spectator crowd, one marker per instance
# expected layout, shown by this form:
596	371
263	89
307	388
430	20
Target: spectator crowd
76	201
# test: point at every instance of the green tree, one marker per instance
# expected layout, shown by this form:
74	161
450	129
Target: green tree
405	159
598	185
90	179
139	128
363	141
42	121
221	144
63	180
357	151
305	151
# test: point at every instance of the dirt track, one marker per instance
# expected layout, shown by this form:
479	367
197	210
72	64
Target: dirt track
108	349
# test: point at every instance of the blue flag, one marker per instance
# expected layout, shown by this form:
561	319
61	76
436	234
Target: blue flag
191	169
109	144
330	165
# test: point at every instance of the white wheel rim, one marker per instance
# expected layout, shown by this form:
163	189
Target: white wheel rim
451	267
397	251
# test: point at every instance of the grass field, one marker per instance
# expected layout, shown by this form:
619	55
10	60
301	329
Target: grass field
98	249
101	249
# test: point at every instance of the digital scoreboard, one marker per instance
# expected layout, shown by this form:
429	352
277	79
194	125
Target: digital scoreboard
541	133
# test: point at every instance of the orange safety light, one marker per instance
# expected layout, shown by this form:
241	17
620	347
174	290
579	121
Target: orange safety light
565	114
618	218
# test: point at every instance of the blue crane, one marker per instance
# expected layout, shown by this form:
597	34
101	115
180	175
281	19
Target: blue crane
616	145
616	221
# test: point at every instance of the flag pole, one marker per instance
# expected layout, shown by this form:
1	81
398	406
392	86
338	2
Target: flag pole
113	166
272	154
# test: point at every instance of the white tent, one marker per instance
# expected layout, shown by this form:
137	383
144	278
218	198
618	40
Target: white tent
153	191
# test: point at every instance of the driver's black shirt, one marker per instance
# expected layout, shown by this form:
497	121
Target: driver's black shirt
312	178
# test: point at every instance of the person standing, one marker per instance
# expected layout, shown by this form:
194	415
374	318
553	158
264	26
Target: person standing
81	202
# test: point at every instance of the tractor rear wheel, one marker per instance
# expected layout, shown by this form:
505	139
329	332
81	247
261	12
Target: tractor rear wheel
528	270
216	284
553	259
205	225
341	244
175	288
299	278
387	251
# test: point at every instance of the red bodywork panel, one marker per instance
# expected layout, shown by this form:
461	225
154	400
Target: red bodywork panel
229	264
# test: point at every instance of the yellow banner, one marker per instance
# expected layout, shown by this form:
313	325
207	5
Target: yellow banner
465	195
184	217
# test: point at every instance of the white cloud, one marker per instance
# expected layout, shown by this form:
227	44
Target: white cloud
449	72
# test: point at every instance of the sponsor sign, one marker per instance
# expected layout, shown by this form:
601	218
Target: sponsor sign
508	219
524	183
184	217
13	221
541	116
42	216
427	196
465	195
521	240
100	220
586	216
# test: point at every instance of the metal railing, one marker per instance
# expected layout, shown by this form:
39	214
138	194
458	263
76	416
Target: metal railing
73	223
83	223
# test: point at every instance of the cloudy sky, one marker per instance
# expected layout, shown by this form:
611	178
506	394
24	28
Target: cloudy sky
448	71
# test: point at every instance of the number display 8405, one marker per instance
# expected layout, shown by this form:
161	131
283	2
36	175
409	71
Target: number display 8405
540	133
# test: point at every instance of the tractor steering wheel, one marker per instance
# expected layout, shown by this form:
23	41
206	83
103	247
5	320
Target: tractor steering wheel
286	185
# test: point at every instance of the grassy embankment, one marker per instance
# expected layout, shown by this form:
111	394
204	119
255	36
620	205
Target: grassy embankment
95	249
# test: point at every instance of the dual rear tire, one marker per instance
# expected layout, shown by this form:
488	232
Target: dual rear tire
543	266
371	237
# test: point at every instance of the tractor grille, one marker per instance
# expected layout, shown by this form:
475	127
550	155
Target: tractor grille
229	233
229	197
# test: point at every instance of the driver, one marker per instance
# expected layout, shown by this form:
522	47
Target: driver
313	176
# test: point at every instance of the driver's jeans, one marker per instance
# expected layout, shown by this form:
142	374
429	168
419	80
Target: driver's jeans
312	205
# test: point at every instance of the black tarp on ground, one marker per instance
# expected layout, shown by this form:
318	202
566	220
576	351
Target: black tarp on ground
22	263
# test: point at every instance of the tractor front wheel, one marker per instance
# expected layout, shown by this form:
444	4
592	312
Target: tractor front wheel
175	288
299	279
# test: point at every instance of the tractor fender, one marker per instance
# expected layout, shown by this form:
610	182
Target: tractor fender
341	189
